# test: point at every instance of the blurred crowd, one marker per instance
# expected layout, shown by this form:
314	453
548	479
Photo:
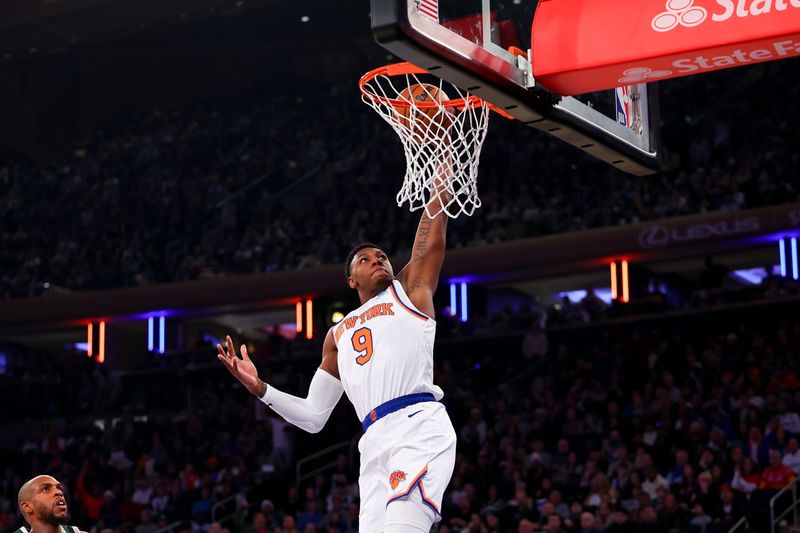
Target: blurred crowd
654	426
267	185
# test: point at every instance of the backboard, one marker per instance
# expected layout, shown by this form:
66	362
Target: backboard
483	46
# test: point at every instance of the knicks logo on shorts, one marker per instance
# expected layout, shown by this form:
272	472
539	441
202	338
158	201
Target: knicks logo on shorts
395	478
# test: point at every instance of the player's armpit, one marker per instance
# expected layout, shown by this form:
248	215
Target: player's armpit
330	354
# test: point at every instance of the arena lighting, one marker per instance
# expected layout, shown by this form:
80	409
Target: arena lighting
101	353
795	273
309	321
751	276
578	295
464	314
614	294
452	299
150	334
89	340
337	317
782	253
625	286
299	317
162	330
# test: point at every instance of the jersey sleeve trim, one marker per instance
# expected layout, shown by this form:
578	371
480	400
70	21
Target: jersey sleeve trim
407	307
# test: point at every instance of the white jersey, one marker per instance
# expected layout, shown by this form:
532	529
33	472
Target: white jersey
385	350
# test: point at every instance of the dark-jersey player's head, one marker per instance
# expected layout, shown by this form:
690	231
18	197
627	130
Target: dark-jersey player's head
368	270
41	501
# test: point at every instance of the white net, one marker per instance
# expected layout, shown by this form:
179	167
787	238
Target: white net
442	129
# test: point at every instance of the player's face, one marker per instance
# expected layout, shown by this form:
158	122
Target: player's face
47	499
370	268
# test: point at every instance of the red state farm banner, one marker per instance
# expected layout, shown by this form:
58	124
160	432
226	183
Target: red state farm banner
580	46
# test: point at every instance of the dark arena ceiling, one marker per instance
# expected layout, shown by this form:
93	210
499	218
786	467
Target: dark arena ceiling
46	27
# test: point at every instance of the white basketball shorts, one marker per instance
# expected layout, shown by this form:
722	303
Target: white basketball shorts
410	451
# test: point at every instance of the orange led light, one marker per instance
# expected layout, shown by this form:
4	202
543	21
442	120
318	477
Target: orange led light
101	354
299	316
309	320
625	283
614	294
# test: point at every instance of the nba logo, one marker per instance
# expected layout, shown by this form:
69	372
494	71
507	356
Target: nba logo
624	111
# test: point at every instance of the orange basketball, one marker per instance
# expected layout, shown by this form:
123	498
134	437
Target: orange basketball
434	120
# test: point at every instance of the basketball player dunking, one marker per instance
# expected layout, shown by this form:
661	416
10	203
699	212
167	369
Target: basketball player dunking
381	356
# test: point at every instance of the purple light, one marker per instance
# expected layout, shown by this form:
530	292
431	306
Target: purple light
795	273
150	334
464	315
782	252
162	326
751	276
452	299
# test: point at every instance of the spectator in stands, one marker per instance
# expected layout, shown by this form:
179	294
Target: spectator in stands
746	478
700	518
258	524
777	475
535	343
653	481
88	498
791	456
729	511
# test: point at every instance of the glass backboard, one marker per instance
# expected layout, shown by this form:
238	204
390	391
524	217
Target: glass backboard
483	46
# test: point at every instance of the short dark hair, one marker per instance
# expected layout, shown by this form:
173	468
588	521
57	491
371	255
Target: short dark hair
353	253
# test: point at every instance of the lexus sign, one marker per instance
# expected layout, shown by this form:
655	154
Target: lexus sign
663	235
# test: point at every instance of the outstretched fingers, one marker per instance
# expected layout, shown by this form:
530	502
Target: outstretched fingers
222	354
228	357
231	348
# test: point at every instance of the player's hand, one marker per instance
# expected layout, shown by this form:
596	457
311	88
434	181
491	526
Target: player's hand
242	368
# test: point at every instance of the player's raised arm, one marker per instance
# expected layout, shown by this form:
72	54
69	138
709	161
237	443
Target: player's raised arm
421	275
309	413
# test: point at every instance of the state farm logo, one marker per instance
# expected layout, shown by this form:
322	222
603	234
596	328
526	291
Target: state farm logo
685	13
679	13
642	74
658	236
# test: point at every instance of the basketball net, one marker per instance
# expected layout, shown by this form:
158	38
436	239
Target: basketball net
442	140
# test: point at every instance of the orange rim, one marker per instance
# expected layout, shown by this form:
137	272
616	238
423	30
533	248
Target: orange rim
402	69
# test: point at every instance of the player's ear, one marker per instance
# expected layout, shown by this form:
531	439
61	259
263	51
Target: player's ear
352	282
26	507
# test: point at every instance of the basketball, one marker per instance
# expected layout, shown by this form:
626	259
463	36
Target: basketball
427	124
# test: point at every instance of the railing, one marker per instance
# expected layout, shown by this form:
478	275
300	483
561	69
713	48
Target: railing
741	525
300	477
218	505
773	520
173	526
